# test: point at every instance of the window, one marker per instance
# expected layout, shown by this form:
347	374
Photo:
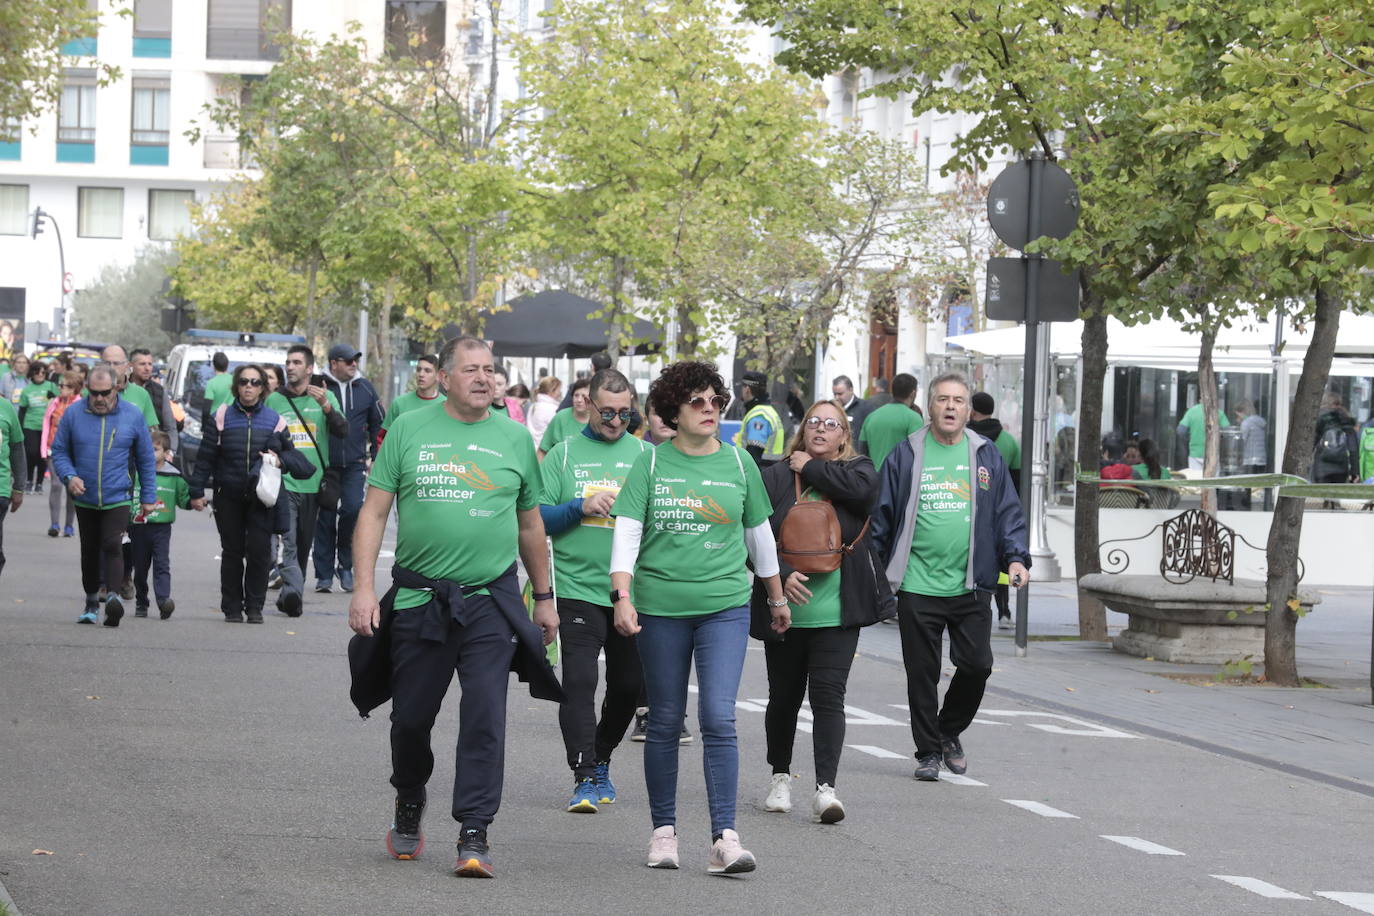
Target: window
76	112
414	29
169	213
152	109
152	18
14	209
242	29
100	213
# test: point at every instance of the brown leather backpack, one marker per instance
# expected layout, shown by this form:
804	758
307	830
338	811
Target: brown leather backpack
809	537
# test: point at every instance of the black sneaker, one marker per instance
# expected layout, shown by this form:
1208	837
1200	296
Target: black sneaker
114	610
253	617
474	856
141	610
290	604
165	608
236	617
641	729
953	753
928	767
405	840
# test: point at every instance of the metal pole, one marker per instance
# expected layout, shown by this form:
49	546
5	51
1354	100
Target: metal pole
1037	167
1046	564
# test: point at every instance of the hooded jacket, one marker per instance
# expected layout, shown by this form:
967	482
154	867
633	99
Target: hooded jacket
362	408
97	447
990	428
997	536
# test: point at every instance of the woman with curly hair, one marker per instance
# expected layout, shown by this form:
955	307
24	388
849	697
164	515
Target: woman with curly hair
692	513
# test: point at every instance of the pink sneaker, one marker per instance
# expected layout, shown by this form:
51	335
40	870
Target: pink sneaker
728	857
663	848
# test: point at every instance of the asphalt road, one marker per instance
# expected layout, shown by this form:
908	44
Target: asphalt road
196	767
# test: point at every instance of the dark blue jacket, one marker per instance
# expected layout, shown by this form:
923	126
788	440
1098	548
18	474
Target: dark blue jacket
363	411
97	448
999	528
231	445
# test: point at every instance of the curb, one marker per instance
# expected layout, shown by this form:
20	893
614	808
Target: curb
8	901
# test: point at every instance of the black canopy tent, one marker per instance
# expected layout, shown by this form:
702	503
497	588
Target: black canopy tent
557	323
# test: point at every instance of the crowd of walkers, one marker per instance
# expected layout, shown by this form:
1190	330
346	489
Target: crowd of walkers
644	534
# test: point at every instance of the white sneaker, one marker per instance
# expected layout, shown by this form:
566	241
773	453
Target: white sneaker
779	796
826	806
663	847
728	857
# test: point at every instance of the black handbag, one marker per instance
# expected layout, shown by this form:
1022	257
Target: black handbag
331	480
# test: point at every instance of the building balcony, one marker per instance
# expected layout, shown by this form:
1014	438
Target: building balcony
152	47
224	153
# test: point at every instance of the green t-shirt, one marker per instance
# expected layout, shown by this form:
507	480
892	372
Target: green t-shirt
10	432
219	391
1197	429
694	509
458	486
576	468
313	416
563	425
34	399
885	427
823	610
1366	447
136	396
406	403
939	548
1011	450
172	493
1142	471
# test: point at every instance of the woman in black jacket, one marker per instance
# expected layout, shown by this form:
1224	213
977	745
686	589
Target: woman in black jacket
828	608
236	437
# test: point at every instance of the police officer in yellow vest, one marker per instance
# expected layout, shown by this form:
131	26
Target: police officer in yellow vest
761	433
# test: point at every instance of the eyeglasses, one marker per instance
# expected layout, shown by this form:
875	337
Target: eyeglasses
699	403
830	423
607	415
100	394
252	382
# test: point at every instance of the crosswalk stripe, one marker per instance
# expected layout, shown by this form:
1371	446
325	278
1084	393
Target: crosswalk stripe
1036	807
1353	899
875	751
1135	842
958	780
1263	888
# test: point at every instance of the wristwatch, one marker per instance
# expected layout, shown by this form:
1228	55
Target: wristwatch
619	593
542	596
782	603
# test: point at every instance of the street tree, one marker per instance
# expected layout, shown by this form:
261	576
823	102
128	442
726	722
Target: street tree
124	304
32	36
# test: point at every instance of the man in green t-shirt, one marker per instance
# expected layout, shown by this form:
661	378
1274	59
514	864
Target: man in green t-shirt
986	425
889	424
218	388
425	394
582	476
312	415
948	521
1192	430
12	468
466	487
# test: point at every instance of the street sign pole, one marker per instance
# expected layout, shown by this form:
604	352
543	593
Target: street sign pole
1037	171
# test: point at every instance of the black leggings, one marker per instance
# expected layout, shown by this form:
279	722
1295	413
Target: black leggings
818	657
101	534
585	629
33	454
245	537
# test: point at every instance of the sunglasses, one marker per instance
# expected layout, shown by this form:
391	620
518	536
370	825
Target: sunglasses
830	423
252	382
699	403
100	394
607	415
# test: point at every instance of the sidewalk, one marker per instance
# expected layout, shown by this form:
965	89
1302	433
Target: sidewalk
1325	734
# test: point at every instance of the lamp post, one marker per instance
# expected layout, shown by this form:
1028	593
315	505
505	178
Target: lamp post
40	218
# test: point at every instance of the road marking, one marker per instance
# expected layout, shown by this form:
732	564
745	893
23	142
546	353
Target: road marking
853	715
1035	807
1084	729
958	780
1263	888
905	708
1356	901
1135	842
876	751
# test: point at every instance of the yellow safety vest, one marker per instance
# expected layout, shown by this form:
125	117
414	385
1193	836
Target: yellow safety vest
773	450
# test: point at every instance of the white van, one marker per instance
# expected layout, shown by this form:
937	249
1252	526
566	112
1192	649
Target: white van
189	367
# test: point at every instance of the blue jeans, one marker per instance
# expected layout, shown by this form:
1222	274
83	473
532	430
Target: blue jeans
667	647
334	528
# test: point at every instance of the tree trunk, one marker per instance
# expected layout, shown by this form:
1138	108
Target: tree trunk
383	348
1211	437
613	318
312	324
1092	615
686	332
1285	531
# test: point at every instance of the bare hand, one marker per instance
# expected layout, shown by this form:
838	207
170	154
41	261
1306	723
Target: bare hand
146	509
782	618
1018	574
320	395
794	590
626	619
599	504
199	504
16	500
76	486
364	611
798	460
546	618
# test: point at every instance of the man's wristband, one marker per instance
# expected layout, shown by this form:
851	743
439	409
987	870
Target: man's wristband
542	596
781	603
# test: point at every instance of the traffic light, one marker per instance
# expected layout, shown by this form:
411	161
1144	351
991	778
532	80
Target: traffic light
38	220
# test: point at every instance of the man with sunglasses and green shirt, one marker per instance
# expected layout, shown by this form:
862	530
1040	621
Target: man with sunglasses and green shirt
582	475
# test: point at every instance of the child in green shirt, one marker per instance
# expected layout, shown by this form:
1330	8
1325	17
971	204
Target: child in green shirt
150	536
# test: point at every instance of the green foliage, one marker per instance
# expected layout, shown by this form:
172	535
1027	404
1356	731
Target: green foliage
1236	667
31	58
124	305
